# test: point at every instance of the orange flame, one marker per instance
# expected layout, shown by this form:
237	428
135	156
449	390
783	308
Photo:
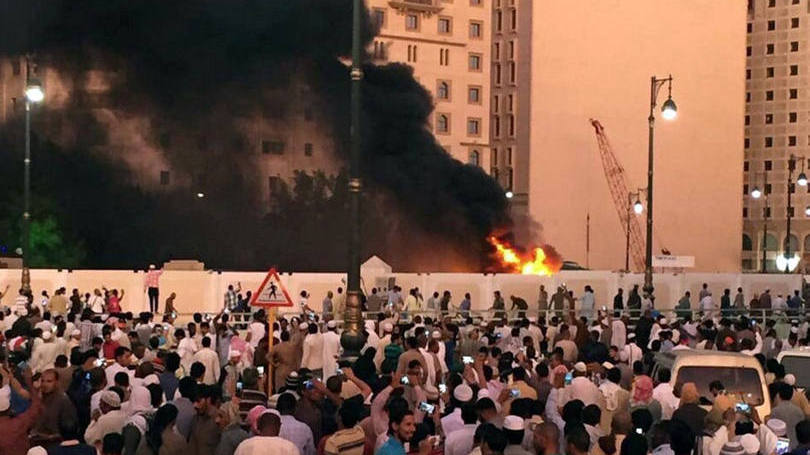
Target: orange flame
544	261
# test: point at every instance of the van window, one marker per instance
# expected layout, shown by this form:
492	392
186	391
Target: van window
798	366
742	383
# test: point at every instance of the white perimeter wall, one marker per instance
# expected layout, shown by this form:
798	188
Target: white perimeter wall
202	291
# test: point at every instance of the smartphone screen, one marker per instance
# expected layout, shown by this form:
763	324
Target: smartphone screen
260	369
442	388
426	407
467	360
239	386
782	445
568	378
743	407
404	380
514	393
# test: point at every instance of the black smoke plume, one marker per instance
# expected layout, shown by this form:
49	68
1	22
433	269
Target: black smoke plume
196	68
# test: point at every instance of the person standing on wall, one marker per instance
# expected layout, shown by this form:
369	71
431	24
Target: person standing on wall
151	286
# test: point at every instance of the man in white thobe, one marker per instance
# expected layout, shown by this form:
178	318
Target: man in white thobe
210	360
331	349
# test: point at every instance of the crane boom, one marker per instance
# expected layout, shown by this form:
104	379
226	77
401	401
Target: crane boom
617	182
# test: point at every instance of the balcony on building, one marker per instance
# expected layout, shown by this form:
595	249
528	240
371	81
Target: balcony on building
426	6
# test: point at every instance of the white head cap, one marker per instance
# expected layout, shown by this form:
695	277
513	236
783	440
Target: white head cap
779	427
581	367
790	379
331	325
750	444
463	393
303	326
514	423
388	327
46	335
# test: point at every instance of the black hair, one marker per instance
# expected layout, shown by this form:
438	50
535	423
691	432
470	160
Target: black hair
577	437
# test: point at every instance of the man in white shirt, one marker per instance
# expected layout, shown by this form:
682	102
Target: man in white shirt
256	330
123	358
111	419
267	442
331	349
385	340
210	360
582	388
96	302
312	357
462	396
186	348
664	394
619	333
460	442
707	305
45	352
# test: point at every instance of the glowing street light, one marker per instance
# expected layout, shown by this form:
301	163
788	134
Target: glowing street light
807	211
756	193
200	195
802	180
510	195
669	110
34	92
638	207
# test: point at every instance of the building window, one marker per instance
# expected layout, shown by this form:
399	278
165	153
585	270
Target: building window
768	188
512	50
509	156
771	25
444	56
795	2
745	214
768	142
766	212
496	101
474	95
794	93
511	125
497	74
443	90
273	147
747	120
494	157
475	2
498	21
769	71
164	177
475	62
768	119
496	51
769	95
513	18
746	143
749	27
771	3
791	141
792	117
748	51
411	22
475	29
379	18
473	127
412	52
510	103
308	149
745	166
510	178
512	72
769	49
794	22
445	26
747	97
380	50
791	214
794	70
745	189
475	158
768	165
496	126
747	74
794	46
443	123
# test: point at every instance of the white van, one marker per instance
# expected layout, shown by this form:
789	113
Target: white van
797	362
740	374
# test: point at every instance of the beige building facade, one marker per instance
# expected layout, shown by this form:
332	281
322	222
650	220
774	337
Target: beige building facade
447	43
594	59
777	125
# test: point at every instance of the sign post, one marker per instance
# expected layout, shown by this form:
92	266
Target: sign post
271	295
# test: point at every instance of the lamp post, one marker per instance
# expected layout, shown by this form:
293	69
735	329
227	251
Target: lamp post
801	181
756	193
33	94
351	340
636	207
668	111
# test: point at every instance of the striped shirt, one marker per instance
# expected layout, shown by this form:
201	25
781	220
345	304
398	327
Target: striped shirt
350	441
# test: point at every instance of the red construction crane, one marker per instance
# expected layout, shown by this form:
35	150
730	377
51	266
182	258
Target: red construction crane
617	182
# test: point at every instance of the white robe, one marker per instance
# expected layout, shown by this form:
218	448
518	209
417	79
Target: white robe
331	351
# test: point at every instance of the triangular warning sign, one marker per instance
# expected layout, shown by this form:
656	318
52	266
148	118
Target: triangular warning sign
271	293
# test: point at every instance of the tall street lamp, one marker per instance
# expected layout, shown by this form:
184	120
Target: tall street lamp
801	181
635	207
33	94
351	340
668	111
756	193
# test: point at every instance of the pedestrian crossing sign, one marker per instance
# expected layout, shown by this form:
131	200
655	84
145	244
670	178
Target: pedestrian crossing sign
271	293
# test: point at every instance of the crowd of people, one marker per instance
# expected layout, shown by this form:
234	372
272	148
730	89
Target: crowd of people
86	377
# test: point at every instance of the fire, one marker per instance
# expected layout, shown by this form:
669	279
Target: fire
542	261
